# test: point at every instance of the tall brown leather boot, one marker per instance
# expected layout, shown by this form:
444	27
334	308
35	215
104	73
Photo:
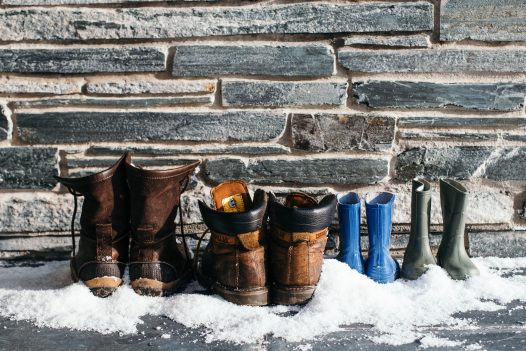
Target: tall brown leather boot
298	232
160	263
234	261
105	228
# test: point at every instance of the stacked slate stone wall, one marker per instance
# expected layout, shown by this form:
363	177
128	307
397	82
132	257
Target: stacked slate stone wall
318	96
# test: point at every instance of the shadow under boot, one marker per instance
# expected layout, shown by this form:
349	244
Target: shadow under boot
298	232
349	218
452	255
102	255
418	253
380	266
160	263
234	262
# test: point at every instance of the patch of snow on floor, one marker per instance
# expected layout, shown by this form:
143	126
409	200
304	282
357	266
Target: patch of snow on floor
399	313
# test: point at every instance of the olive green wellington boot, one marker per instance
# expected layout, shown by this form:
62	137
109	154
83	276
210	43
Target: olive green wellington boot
452	255
418	253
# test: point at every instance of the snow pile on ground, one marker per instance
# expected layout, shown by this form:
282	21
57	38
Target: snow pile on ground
400	312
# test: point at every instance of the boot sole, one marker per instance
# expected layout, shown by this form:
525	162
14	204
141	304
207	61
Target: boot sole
100	286
292	295
247	297
153	287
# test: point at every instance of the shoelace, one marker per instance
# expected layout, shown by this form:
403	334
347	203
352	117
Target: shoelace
197	249
75	208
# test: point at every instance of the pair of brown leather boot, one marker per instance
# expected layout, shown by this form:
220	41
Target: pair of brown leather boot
128	219
248	266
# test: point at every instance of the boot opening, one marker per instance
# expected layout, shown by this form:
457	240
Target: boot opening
383	198
232	196
348	199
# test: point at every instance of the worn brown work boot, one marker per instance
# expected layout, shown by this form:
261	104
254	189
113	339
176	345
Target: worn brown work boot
160	262
234	261
104	228
298	234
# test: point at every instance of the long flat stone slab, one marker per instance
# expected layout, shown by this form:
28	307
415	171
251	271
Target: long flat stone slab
341	132
499	244
131	86
55	86
337	170
82	60
253	59
461	122
215	149
406	41
275	93
487	20
60	23
408	94
81	126
434	60
28	167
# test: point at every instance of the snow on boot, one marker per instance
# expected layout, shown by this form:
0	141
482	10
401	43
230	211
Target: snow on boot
104	228
298	231
160	263
234	261
418	253
349	217
380	266
452	255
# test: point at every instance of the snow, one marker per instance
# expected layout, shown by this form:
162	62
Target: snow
399	313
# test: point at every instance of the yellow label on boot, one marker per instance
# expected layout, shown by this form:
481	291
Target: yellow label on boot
233	203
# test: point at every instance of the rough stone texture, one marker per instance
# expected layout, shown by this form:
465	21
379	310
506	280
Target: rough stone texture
35	243
74	127
38	212
56	86
124	102
4	124
409	41
303	170
249	149
252	59
503	20
27	167
501	244
83	2
514	137
130	86
158	22
81	60
463	162
340	132
269	93
449	136
404	94
436	60
461	122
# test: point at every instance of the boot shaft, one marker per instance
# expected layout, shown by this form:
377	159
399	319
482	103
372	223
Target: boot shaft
453	200
349	210
420	209
379	212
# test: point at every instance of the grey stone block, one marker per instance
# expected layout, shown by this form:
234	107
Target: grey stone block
514	137
59	23
74	127
409	41
4	124
82	60
55	86
253	59
124	102
463	162
28	167
150	86
461	136
300	170
37	212
499	244
487	20
340	132
461	122
265	93
35	243
217	149
436	60
404	94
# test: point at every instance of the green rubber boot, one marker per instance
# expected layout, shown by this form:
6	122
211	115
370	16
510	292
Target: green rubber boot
452	255
418	253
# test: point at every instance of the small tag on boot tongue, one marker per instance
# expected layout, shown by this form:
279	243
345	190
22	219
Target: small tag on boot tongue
234	203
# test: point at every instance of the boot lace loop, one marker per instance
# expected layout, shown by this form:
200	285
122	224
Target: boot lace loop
75	208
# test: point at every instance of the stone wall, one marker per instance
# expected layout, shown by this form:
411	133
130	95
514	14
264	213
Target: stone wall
319	96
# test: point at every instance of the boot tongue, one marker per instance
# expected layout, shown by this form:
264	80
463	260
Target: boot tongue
300	200
231	196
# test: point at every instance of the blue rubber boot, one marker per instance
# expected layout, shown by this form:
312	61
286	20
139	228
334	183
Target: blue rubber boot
349	216
380	266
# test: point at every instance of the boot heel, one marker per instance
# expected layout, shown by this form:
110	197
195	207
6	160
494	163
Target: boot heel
250	297
292	295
